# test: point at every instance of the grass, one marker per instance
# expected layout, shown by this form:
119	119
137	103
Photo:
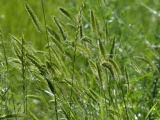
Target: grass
93	60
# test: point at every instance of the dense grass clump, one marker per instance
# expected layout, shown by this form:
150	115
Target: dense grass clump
97	62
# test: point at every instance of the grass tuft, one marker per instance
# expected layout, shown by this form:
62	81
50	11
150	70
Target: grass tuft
87	67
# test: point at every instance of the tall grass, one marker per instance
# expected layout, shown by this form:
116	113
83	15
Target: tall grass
86	71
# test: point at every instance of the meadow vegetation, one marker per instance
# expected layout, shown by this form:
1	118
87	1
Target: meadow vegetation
74	60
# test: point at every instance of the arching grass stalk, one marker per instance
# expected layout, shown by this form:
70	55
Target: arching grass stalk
50	59
23	78
125	104
78	34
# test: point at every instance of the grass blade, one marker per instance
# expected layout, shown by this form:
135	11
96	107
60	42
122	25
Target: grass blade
102	50
149	61
112	49
149	112
53	33
93	22
32	115
11	116
59	27
57	43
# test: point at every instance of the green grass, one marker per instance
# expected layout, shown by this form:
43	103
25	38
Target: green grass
80	61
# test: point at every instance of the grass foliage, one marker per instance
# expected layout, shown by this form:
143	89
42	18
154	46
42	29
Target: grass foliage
99	62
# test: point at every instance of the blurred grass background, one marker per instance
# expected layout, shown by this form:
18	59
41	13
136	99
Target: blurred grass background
132	18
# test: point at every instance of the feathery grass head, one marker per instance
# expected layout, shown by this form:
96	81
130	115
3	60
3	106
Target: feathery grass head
33	17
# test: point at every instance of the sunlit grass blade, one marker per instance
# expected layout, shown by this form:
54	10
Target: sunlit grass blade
17	51
71	26
57	43
149	8
149	112
33	116
53	33
59	27
34	97
140	78
16	40
65	113
93	95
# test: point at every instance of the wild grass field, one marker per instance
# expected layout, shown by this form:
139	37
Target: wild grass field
80	60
